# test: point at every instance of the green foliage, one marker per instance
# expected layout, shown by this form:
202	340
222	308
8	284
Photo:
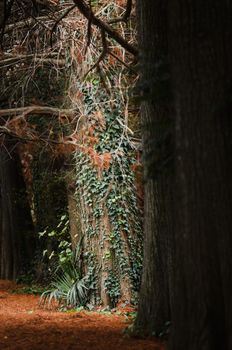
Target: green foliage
33	289
60	235
113	286
68	289
113	189
27	278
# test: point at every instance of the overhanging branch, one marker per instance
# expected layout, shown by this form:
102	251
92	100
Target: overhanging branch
87	13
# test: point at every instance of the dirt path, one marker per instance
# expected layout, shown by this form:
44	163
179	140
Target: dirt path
25	326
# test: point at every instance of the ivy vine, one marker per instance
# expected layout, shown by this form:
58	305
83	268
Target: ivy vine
109	187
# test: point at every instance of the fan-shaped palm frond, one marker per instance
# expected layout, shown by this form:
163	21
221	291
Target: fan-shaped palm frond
68	288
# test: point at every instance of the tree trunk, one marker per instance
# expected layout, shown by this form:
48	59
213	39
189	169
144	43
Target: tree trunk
200	49
73	210
110	217
154	306
9	240
17	239
2	12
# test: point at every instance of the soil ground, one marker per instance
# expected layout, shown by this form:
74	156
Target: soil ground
24	325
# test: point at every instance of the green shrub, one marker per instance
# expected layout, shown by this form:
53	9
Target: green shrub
68	289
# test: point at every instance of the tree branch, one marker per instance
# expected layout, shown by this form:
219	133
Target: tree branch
35	58
60	19
103	53
35	110
25	22
87	13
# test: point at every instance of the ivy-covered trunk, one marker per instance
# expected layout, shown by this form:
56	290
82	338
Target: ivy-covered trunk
111	220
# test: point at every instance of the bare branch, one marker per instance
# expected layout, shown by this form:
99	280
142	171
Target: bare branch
6	62
122	62
25	22
60	19
103	53
86	11
36	110
89	29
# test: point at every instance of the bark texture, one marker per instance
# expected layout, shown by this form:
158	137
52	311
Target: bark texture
9	239
199	54
200	51
154	304
73	212
16	229
2	11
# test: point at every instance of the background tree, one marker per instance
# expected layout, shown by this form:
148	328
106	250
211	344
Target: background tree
16	230
34	86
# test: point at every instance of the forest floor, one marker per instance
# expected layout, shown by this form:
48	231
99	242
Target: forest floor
25	325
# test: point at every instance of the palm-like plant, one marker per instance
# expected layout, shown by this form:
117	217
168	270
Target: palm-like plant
68	288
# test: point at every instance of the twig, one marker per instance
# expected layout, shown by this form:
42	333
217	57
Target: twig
60	19
26	22
103	53
122	62
87	13
126	15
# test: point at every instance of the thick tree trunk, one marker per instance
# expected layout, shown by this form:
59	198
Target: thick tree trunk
154	306
200	38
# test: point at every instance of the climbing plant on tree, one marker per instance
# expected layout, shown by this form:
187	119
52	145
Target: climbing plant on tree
106	193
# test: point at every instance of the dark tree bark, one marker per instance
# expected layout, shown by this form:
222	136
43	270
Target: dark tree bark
16	232
2	11
9	240
154	305
200	50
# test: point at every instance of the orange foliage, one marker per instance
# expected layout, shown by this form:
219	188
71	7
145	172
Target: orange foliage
18	126
99	161
64	148
121	2
100	119
26	157
118	52
89	140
